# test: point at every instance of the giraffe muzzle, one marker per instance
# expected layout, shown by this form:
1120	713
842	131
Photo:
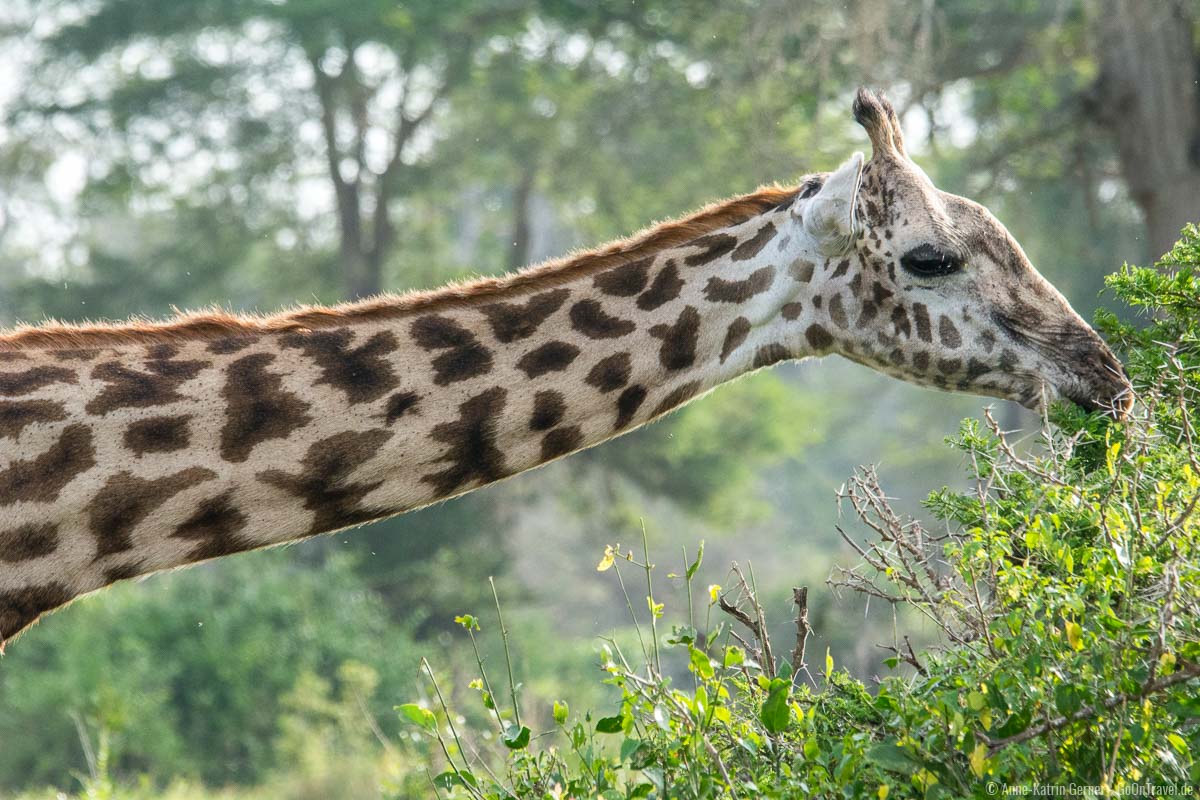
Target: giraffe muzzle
1100	383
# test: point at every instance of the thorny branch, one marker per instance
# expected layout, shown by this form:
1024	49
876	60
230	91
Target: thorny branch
756	623
900	562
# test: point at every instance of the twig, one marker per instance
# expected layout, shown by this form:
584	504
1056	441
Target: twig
512	686
800	599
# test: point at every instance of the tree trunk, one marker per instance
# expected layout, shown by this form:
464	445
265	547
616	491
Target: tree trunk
518	254
1147	96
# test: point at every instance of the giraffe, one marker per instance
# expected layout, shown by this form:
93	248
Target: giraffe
131	448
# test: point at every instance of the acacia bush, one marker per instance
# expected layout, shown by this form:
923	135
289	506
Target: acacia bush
1064	588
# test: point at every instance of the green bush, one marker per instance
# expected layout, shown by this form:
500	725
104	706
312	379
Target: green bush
1064	587
184	677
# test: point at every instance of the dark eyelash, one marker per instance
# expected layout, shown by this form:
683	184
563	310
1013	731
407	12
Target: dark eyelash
927	261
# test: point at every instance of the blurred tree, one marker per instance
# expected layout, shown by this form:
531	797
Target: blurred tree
185	675
1148	99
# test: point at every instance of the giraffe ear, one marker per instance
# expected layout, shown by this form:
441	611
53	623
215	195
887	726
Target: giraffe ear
830	217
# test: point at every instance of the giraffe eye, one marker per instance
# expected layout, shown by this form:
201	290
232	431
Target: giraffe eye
927	261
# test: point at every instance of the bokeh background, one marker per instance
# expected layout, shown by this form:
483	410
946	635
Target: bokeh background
260	153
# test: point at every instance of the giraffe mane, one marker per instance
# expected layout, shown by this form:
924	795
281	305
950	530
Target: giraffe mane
217	323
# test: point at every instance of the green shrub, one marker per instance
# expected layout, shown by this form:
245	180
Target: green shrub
1064	587
184	677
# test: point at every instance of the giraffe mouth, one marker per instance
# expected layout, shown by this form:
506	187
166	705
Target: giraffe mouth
1114	400
1117	405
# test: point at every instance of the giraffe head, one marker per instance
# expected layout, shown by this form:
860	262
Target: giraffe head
929	287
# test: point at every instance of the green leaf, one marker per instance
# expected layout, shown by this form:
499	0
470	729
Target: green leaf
1074	635
734	656
629	747
691	571
561	710
451	778
418	716
775	713
893	757
610	724
700	663
516	739
468	622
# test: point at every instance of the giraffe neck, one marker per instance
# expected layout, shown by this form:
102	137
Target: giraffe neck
136	450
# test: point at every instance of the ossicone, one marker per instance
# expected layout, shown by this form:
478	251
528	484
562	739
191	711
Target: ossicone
875	113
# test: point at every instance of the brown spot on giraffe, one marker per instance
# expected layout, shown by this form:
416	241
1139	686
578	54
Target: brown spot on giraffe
323	484
949	366
123	572
512	322
712	247
470	444
818	338
792	311
257	407
16	384
677	397
156	385
158	435
611	373
770	354
921	318
561	441
42	478
802	270
549	357
665	288
679	339
900	323
837	312
27	542
719	290
628	404
398	405
20	608
735	334
126	500
625	280
948	333
855	284
17	415
867	314
465	356
215	527
987	340
361	373
589	318
549	407
754	245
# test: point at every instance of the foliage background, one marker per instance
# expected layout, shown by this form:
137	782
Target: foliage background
254	154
